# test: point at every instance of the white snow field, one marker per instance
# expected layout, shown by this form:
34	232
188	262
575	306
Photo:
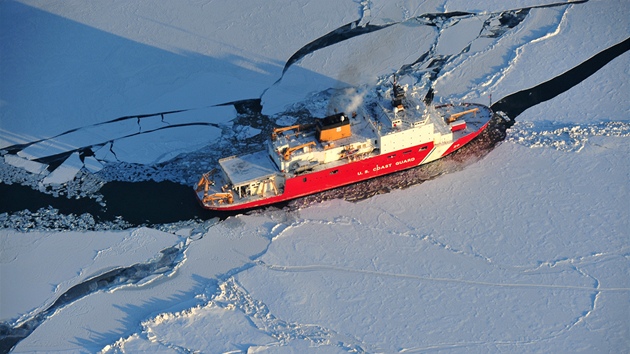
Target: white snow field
526	250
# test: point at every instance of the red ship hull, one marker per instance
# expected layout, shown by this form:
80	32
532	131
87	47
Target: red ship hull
349	173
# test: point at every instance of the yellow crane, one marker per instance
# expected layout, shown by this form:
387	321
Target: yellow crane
205	182
276	131
290	150
454	116
219	198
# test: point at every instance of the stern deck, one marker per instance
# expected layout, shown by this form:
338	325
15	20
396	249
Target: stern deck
244	169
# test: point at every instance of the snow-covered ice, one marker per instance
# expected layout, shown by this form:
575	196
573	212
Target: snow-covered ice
524	250
28	260
66	172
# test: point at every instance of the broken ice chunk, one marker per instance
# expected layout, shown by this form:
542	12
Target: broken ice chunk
30	166
92	164
66	171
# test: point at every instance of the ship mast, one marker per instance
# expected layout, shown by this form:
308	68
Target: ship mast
398	94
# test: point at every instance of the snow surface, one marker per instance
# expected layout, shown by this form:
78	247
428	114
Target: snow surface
27	262
525	250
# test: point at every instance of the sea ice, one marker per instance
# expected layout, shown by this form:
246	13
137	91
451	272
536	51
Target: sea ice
37	267
33	167
66	171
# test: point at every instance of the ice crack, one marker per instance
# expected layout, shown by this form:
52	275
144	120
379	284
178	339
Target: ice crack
164	265
333	268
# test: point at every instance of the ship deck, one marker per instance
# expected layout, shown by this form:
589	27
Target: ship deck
249	167
362	130
366	125
373	121
370	125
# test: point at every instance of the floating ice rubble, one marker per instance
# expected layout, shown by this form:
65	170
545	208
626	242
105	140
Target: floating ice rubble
83	184
54	164
50	219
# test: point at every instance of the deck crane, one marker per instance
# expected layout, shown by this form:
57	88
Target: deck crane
220	198
297	128
286	153
455	116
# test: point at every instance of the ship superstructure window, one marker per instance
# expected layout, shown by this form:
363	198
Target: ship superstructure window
407	152
423	148
334	172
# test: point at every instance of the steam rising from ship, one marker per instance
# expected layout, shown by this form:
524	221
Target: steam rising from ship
356	101
346	100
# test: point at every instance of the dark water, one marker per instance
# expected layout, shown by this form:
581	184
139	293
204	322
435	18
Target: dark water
516	103
15	198
139	203
152	202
